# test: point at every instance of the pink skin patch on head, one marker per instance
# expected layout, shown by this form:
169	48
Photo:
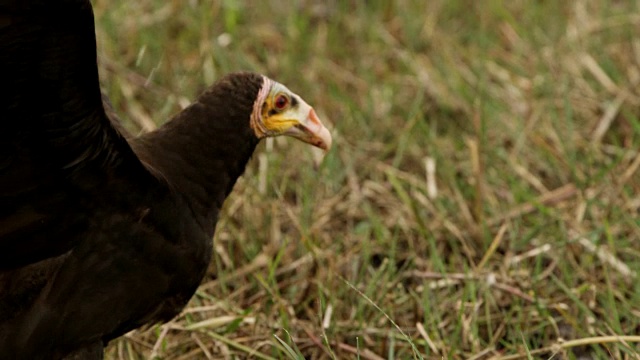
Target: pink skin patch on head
256	122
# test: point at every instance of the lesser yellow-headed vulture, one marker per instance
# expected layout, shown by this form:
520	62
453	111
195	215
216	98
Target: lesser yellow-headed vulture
101	233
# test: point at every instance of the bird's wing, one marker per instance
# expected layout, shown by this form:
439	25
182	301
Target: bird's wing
56	142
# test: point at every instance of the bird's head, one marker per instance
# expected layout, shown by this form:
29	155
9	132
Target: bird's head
278	111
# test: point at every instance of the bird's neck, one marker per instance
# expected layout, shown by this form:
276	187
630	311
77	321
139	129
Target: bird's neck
200	154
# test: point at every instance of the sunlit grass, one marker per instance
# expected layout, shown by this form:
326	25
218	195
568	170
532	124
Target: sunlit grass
529	239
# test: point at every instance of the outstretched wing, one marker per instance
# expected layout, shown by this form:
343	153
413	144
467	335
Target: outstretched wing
56	142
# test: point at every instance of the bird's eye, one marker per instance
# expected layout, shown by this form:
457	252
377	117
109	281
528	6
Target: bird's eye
281	102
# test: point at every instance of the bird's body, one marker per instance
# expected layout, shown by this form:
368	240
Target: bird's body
101	233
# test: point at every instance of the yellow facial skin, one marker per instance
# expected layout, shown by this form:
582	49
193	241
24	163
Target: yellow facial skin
279	119
285	113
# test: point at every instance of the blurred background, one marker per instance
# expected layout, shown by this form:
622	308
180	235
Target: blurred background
481	200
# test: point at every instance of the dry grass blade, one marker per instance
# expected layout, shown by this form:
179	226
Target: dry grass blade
492	248
212	323
607	257
609	115
552	197
362	354
426	338
573	343
247	351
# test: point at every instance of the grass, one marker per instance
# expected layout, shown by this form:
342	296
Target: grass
481	200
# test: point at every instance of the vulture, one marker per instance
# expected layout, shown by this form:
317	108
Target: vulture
102	232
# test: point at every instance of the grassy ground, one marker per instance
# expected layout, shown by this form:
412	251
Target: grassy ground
481	200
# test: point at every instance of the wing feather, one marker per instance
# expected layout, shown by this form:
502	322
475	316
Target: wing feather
56	141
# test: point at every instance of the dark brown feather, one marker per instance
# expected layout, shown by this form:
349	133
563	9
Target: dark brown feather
100	235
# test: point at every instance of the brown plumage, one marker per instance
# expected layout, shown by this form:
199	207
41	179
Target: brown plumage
101	233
